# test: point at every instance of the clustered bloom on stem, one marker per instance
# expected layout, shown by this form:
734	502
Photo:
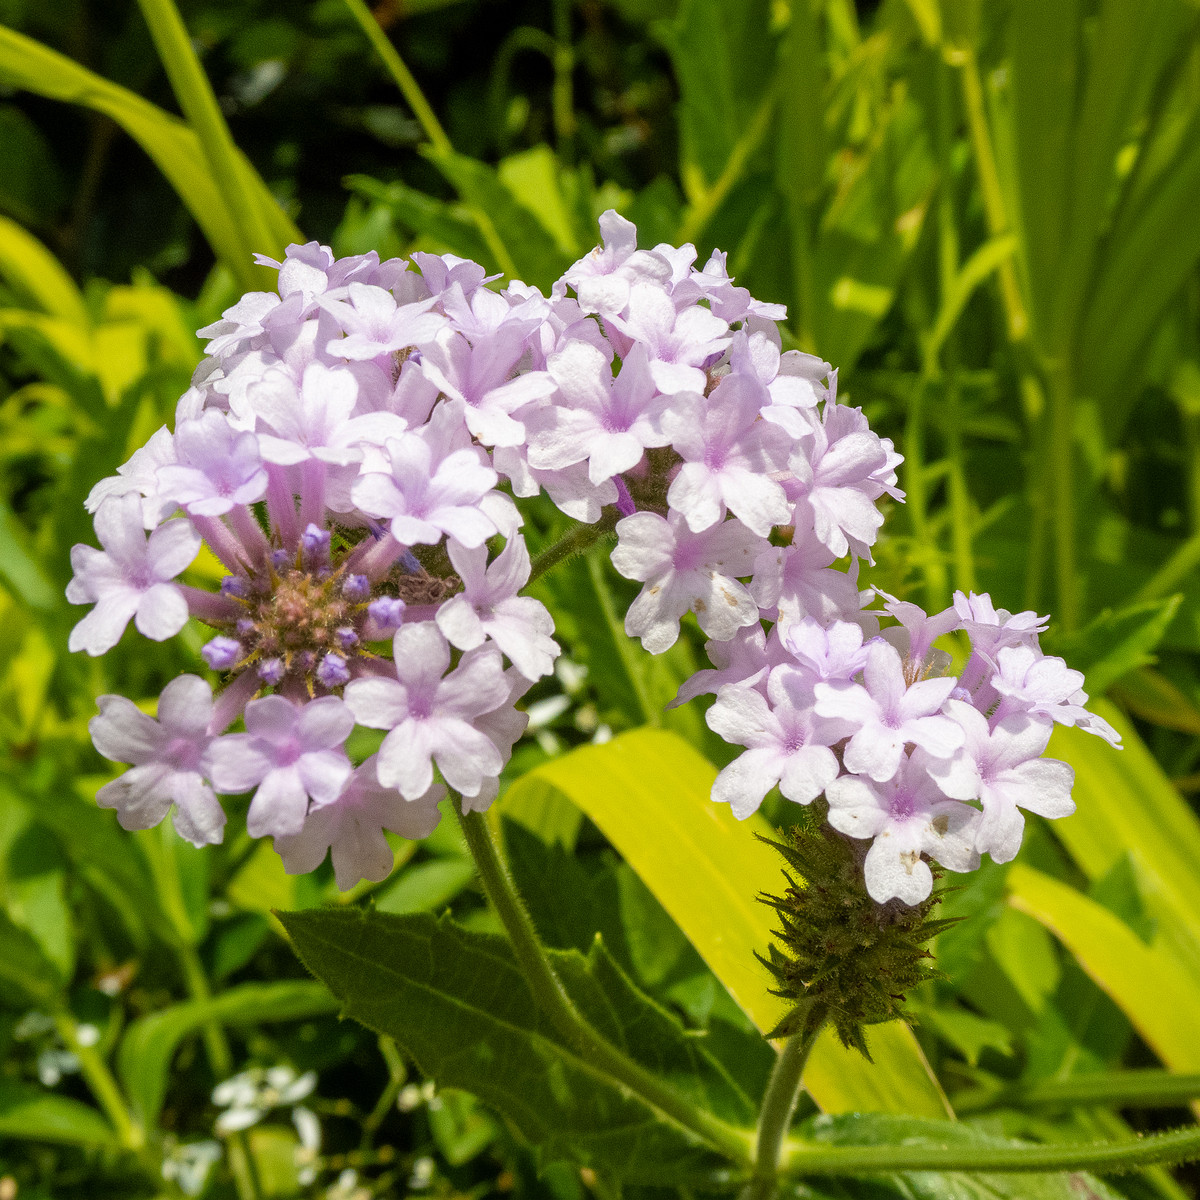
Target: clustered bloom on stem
349	451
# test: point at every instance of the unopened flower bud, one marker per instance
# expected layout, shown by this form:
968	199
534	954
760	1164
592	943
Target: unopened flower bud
272	670
333	671
356	588
387	612
345	637
221	653
234	585
315	544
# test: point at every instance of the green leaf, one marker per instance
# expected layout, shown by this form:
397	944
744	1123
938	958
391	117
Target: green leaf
425	886
1115	643
19	570
29	1113
27	64
37	276
27	976
149	1044
1126	804
522	245
648	791
457	1002
1154	991
874	1129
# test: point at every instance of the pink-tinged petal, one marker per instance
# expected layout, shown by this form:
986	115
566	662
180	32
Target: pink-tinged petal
476	686
172	548
957	777
745	782
377	703
305	851
416	531
876	751
1000	830
236	764
377	495
645	545
161	612
272	718
324	773
925	696
404	760
199	817
185	706
696	494
854	807
807	773
465	756
1018	739
460	623
894	871
324	723
758	501
846	701
281	452
102	628
1045	787
123	733
421	654
884	678
938	736
138	796
741	716
725	607
119	527
279	806
653	617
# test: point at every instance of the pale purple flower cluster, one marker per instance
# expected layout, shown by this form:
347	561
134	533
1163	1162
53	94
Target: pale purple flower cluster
343	451
333	454
927	765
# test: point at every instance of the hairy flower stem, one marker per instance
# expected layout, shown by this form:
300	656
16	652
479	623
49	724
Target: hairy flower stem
1179	1145
574	542
560	1010
775	1116
100	1081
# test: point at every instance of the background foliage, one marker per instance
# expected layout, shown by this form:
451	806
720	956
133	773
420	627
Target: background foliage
983	214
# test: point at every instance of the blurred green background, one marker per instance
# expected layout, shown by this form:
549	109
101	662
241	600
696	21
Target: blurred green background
985	215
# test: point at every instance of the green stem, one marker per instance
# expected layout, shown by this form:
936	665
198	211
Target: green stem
402	76
1180	1145
560	1010
1060	463
989	185
397	1074
775	1116
1173	572
960	495
1117	1089
563	97
700	213
917	505
103	1086
575	541
200	107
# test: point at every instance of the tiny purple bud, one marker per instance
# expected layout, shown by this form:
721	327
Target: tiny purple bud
315	544
333	671
221	653
345	637
245	627
387	612
234	585
356	588
272	670
409	563
281	560
625	505
961	693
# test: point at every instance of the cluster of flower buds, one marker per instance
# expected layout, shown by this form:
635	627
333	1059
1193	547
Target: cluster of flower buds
342	452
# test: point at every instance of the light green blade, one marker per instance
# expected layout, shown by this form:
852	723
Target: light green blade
648	791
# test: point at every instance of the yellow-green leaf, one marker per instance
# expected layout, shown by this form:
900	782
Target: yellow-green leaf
1125	804
1146	982
33	272
648	791
26	63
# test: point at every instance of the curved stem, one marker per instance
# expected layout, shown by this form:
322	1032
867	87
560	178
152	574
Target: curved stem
1180	1145
402	76
775	1116
560	1009
1144	1088
574	542
101	1083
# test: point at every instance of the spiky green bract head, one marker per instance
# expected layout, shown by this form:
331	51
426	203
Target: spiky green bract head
841	957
